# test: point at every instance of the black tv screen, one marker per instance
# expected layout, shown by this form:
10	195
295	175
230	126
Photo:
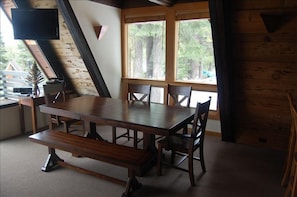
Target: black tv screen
35	24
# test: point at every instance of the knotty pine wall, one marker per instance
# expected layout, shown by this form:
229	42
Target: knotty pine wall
265	66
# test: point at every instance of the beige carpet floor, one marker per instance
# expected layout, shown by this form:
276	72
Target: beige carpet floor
233	170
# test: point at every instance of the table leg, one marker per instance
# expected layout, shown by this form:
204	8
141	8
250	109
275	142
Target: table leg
149	142
22	118
91	131
34	118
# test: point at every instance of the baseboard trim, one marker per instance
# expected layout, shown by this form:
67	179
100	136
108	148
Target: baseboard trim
212	133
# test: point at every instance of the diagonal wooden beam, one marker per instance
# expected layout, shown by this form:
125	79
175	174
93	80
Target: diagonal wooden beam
83	47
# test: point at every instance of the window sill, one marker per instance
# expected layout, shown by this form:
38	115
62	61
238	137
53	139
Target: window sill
5	103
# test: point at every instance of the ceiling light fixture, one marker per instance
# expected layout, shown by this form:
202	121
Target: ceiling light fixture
163	2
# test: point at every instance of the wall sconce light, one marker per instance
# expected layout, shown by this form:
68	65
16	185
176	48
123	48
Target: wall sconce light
100	31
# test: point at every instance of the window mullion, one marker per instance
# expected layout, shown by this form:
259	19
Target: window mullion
170	47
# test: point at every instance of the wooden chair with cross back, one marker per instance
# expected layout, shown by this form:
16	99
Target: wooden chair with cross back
139	93
54	93
186	144
179	96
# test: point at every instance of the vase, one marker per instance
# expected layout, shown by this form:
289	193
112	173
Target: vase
36	90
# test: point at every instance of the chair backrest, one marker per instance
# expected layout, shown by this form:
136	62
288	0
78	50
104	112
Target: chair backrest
293	128
294	124
200	120
54	93
292	142
139	92
178	95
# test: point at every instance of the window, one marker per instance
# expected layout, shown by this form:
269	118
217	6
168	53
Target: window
195	58
16	61
12	51
146	50
173	45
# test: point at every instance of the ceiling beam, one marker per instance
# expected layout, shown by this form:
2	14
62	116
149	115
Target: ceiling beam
113	3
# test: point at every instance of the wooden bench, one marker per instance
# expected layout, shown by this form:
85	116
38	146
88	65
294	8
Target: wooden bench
135	160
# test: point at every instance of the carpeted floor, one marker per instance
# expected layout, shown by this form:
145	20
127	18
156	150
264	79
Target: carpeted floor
233	170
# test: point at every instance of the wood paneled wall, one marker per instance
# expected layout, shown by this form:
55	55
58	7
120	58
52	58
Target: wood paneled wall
265	69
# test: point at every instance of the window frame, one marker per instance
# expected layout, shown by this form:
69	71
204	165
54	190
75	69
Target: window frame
184	11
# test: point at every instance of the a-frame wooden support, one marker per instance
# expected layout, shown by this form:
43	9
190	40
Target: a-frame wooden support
83	47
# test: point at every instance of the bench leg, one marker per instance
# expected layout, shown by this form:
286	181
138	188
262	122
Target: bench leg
51	161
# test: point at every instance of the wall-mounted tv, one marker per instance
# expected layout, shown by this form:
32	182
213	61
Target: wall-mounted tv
35	24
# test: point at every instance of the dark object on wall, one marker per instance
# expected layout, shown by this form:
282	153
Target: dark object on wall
35	24
273	21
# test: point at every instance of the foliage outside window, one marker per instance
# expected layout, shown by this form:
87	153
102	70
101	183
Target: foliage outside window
12	51
188	51
195	58
16	61
146	50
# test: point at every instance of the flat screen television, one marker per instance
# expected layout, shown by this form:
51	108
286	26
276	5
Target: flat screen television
35	24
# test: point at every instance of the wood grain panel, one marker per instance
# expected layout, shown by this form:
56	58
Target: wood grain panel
262	4
264	37
251	21
247	22
266	51
261	139
265	70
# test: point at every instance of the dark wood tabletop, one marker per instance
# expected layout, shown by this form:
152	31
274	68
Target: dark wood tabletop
150	118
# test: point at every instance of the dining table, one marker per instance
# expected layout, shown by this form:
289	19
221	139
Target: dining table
150	118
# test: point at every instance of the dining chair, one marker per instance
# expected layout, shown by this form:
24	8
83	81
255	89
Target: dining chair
139	93
179	96
186	144
291	144
54	93
291	180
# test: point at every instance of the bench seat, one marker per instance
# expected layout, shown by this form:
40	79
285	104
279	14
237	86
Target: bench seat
135	160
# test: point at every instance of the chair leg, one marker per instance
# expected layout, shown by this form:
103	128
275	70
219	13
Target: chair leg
135	139
128	134
172	157
185	129
114	135
202	159
292	182
66	127
191	170
159	161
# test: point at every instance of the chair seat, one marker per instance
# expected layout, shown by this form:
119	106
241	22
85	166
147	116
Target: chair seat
179	142
69	120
